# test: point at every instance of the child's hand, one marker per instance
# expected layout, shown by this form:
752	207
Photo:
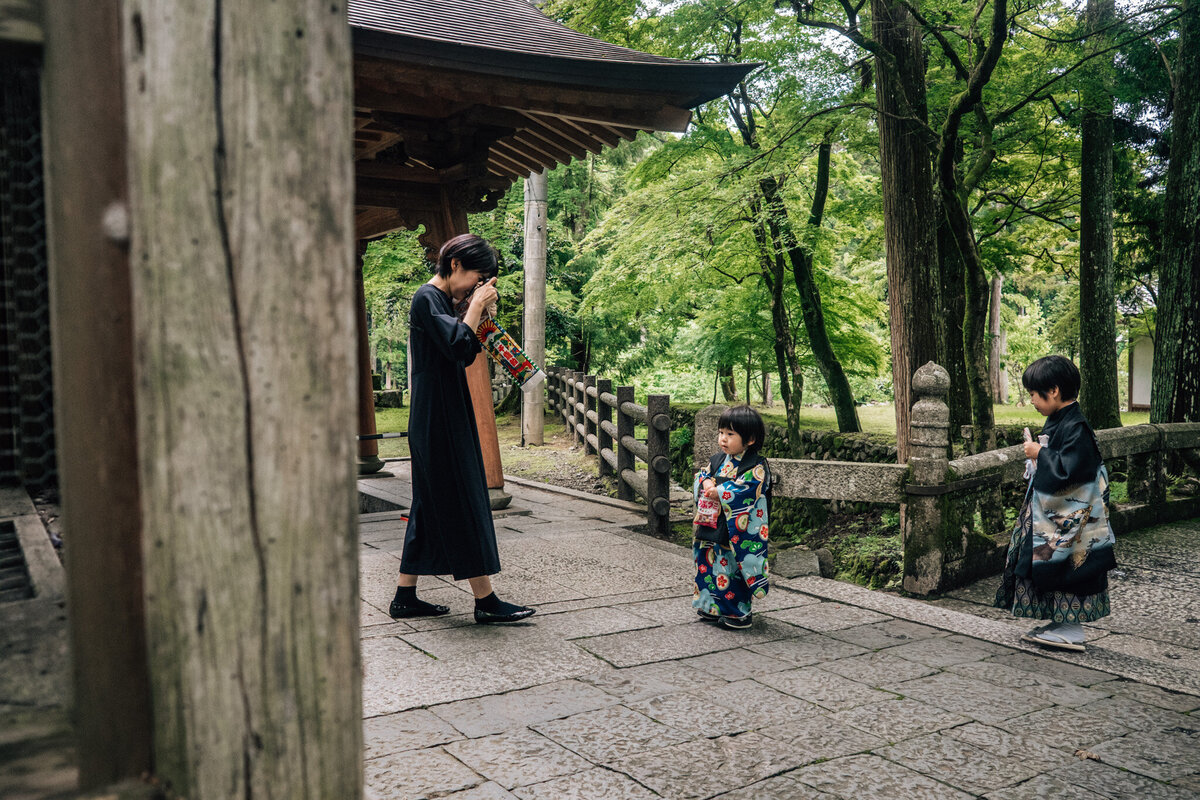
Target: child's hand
1032	449
711	491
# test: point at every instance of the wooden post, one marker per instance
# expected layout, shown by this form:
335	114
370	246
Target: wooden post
87	211
604	414
589	408
658	462
576	377
624	428
534	327
241	214
368	449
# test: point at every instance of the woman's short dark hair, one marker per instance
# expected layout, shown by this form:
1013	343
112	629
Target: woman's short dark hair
1046	373
746	423
473	252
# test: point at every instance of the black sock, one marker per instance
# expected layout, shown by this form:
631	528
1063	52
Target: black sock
405	594
494	605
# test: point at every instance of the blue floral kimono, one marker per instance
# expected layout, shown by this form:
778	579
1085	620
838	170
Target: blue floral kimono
731	563
1061	549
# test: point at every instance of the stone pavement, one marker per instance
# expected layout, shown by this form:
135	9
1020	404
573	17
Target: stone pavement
1155	594
616	690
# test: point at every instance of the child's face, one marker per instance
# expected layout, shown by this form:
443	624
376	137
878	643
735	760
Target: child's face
730	442
1047	402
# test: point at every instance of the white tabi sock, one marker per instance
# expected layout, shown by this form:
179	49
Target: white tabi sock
1069	631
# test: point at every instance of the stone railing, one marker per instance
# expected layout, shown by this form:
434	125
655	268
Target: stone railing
946	542
588	405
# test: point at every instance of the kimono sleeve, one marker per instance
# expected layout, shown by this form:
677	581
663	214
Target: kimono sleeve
451	337
1070	458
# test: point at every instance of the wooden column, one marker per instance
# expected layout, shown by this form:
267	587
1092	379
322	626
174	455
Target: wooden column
534	329
368	449
95	414
240	120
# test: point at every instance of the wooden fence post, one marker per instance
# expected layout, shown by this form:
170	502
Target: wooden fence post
658	462
604	418
921	518
589	412
625	426
574	376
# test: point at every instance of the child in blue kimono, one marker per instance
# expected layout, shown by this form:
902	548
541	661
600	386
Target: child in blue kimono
1061	549
730	545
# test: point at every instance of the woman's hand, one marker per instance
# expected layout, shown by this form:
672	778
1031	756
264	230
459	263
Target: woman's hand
484	295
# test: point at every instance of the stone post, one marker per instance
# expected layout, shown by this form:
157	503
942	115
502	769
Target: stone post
704	438
625	427
658	462
589	408
921	515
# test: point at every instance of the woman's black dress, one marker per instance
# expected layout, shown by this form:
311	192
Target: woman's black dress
450	524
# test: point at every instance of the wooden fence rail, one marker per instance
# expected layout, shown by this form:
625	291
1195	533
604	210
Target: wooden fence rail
588	405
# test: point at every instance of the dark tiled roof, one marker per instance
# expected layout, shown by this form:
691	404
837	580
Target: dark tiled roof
513	38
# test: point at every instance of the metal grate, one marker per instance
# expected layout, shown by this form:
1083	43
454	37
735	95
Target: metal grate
27	447
14	573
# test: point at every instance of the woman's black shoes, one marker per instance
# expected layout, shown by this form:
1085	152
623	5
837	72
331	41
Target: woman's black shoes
401	609
488	617
492	609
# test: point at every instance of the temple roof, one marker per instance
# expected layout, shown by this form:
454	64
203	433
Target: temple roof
457	99
513	38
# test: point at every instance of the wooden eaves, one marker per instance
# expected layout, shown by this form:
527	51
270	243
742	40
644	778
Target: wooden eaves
457	99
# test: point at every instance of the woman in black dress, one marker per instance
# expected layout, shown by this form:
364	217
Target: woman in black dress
450	523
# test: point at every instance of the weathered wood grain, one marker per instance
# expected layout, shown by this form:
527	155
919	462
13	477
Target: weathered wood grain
239	119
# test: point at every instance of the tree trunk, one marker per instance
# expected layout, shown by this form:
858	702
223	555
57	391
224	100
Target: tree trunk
996	372
784	343
534	327
908	207
954	308
1098	398
241	212
779	224
728	383
768	397
1175	389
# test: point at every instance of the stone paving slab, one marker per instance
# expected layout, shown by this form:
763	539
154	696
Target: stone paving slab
869	777
960	764
517	758
497	713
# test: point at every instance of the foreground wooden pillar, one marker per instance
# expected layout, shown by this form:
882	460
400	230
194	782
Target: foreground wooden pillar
94	388
239	118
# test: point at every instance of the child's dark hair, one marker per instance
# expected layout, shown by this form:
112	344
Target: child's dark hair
1046	373
473	252
746	423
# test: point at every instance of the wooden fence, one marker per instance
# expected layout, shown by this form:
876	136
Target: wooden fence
605	423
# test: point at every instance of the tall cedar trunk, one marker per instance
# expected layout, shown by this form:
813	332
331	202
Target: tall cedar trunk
954	307
810	297
1175	385
914	309
1097	306
241	211
791	379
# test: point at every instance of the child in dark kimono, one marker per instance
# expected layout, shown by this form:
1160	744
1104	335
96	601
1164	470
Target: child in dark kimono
730	545
1062	546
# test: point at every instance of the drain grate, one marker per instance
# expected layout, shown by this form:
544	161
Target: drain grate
14	574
